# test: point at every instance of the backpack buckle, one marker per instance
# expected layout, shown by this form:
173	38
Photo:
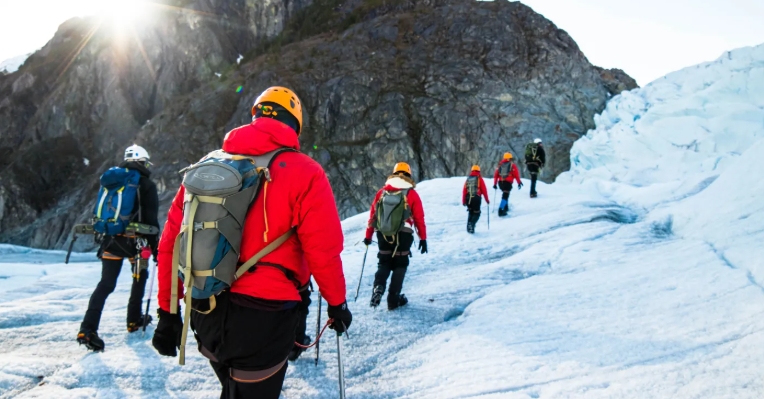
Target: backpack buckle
198	226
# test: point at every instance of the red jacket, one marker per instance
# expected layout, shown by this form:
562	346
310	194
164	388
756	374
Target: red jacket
298	196
412	198
514	174
481	188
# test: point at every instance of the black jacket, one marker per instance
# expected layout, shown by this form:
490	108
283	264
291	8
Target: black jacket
148	205
534	166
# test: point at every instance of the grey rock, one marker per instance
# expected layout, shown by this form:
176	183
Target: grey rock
441	84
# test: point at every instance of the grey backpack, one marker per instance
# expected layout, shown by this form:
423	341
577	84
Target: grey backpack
219	190
392	211
505	169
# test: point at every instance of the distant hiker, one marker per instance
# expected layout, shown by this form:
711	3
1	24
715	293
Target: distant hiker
505	174
474	187
535	158
245	288
133	197
395	213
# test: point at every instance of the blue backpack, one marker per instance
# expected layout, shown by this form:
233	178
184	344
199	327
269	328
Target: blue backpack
116	200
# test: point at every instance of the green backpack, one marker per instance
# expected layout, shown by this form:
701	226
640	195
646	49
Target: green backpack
531	149
392	212
472	186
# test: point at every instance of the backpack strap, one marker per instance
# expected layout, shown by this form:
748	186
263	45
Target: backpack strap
265	251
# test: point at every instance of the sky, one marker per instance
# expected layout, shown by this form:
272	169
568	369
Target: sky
645	38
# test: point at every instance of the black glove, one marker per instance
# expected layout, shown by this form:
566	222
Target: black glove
519	186
494	187
167	334
367	241
423	246
342	317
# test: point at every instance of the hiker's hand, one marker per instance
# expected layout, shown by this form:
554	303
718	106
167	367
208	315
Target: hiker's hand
367	241
494	187
423	246
167	334
519	186
341	316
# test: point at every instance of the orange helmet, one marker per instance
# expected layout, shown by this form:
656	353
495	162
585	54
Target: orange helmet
476	168
507	156
402	167
283	97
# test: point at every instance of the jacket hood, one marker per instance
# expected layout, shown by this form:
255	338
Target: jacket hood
261	136
398	183
475	173
135	166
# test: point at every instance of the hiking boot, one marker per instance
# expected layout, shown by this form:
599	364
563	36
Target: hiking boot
91	341
471	228
297	351
395	304
376	297
534	195
136	325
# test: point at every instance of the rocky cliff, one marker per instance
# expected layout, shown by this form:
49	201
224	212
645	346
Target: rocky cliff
441	84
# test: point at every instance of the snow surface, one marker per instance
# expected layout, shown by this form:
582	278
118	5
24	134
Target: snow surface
638	274
13	64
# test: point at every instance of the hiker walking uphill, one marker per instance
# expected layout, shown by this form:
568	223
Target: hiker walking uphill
127	195
505	174
395	213
474	187
248	227
535	158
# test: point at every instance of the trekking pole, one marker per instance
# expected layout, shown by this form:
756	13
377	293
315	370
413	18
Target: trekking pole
318	327
494	196
340	366
148	301
357	290
489	217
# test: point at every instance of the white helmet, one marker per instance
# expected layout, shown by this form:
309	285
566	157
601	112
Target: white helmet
537	141
136	153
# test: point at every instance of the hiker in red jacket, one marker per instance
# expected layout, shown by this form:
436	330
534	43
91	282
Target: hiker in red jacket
474	187
395	248
251	330
505	173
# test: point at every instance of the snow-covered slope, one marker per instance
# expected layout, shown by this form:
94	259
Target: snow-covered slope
639	274
13	64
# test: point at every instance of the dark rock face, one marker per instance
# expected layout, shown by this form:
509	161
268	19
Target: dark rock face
441	84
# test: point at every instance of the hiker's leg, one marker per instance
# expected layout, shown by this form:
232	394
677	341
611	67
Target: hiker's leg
400	264
534	177
267	389
110	267
136	296
385	265
475	207
505	187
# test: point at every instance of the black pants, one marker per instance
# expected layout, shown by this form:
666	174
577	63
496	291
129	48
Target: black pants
110	269
249	339
393	263
474	206
534	171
